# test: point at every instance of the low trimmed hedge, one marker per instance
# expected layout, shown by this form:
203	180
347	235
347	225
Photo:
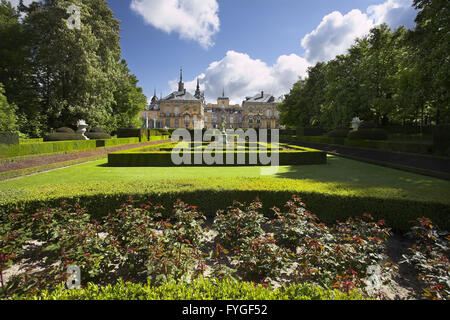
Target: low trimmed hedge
368	134
396	146
134	158
329	207
45	148
310	132
199	289
65	130
130	133
339	133
60	136
98	136
27	141
9	138
441	138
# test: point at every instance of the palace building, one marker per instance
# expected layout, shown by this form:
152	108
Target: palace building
181	109
260	112
223	114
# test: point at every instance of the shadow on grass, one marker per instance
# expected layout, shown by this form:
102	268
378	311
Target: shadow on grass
345	171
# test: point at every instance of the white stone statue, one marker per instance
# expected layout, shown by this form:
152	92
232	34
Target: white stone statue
82	126
356	122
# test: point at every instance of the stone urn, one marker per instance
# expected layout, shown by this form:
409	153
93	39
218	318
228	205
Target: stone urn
82	127
356	122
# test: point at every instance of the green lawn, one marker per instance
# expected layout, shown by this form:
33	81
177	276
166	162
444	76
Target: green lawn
340	175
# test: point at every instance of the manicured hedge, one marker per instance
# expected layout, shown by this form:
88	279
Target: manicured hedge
368	134
45	147
129	133
131	158
199	289
98	135
397	146
339	133
328	207
61	136
9	138
115	142
65	130
441	139
310	132
27	141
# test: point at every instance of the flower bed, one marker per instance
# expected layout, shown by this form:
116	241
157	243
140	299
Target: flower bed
139	242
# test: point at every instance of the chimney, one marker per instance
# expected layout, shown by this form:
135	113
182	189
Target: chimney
262	94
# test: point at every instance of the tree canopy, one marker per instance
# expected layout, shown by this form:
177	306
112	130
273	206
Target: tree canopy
386	77
66	73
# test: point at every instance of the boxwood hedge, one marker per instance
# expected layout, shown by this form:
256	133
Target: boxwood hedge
294	156
45	148
209	195
199	289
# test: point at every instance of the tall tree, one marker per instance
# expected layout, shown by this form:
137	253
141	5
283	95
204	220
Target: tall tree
431	37
8	116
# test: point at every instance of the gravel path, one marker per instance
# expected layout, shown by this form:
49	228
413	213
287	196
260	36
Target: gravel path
49	159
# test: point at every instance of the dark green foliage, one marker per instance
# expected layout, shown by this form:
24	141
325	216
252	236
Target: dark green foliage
310	132
9	138
61	136
129	133
164	158
70	75
367	125
395	78
339	133
65	130
368	134
97	135
398	146
441	138
46	147
8	117
97	130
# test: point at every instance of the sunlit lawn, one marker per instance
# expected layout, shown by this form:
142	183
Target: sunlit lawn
340	175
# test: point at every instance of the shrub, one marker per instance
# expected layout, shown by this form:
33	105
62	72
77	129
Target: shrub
199	289
367	125
261	258
441	138
291	228
59	136
240	224
98	135
429	255
65	130
339	133
97	130
310	132
129	133
9	138
368	134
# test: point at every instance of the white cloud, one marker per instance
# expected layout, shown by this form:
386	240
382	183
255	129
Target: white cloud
196	20
335	34
394	12
15	3
242	76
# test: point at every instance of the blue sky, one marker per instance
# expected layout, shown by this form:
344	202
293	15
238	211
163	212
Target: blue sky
244	46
